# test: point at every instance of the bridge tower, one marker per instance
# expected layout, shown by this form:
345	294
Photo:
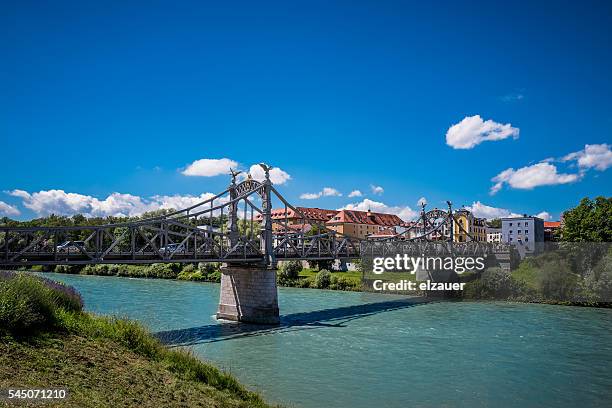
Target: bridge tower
248	292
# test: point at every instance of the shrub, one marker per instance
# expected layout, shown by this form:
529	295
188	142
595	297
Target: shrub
494	283
68	268
189	268
599	281
323	279
208	268
290	270
556	281
309	282
344	283
161	270
29	304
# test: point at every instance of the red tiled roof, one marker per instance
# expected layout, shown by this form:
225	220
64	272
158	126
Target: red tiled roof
363	217
552	224
314	214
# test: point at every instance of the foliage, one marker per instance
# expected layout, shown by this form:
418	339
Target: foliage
323	279
599	281
495	223
494	283
68	268
208	268
321	264
344	283
29	304
590	221
290	270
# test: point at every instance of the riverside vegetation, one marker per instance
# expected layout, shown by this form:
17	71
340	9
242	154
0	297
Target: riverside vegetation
47	341
290	273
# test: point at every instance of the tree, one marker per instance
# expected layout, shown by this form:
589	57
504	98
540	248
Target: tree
495	223
590	221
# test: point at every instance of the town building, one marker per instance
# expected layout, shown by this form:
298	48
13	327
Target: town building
494	234
525	233
361	224
552	230
467	227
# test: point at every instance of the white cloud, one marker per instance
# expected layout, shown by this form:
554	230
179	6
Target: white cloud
310	196
8	210
526	178
422	201
355	193
116	204
326	192
598	156
472	130
331	192
277	176
377	189
544	215
485	211
210	167
405	213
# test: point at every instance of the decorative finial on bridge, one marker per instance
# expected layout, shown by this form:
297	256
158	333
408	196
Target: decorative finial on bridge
234	174
266	169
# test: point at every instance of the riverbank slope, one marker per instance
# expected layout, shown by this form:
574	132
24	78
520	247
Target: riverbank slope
46	341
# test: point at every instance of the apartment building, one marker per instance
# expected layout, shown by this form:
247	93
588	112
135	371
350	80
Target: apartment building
524	233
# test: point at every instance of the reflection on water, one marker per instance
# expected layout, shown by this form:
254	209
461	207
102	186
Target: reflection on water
340	349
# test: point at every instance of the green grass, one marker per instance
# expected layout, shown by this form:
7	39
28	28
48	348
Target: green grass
354	275
526	274
46	340
98	372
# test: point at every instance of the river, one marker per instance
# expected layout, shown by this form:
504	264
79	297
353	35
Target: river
347	349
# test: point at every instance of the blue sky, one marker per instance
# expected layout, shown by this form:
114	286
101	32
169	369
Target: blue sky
103	98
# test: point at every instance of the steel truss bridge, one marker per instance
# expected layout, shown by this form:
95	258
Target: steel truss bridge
235	226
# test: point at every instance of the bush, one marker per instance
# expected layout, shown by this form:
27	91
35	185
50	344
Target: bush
323	279
290	270
556	281
208	268
189	268
494	283
599	281
161	270
344	283
29	304
68	268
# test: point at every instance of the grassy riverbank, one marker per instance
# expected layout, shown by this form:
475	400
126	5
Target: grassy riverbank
47	341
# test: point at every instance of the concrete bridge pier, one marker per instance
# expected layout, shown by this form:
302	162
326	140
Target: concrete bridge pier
248	294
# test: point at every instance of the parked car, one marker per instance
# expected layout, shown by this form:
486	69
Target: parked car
71	246
173	248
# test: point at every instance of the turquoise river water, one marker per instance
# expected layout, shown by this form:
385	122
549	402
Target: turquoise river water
345	349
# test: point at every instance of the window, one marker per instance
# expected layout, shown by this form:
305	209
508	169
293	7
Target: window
510	239
518	224
518	232
526	239
510	232
510	224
